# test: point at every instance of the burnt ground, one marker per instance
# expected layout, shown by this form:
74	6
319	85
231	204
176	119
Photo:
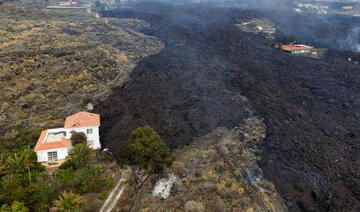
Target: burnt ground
311	107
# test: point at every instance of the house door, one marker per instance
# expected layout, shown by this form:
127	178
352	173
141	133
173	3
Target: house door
52	156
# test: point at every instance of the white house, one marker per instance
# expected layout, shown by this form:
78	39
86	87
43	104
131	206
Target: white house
54	144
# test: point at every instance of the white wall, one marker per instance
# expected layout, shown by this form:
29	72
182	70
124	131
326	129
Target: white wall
94	136
42	155
62	153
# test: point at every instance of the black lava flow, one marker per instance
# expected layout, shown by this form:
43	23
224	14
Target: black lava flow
311	107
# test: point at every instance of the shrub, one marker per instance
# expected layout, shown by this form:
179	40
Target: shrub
79	157
40	195
109	182
107	156
5	105
23	115
68	202
12	188
179	168
67	175
192	206
88	180
88	206
14	207
78	138
104	195
146	149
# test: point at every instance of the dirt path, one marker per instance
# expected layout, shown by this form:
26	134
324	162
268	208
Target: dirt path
116	193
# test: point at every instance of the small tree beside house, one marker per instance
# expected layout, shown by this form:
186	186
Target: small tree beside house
78	138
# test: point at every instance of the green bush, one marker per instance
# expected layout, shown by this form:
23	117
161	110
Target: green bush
79	157
146	149
41	194
67	164
88	206
87	180
107	156
12	188
67	175
14	207
109	182
104	195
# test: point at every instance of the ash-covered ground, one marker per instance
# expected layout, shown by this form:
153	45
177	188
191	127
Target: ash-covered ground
311	107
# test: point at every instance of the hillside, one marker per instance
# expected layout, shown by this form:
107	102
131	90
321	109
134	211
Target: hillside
55	62
217	172
310	106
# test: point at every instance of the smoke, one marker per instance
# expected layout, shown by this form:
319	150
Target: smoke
352	40
243	4
330	30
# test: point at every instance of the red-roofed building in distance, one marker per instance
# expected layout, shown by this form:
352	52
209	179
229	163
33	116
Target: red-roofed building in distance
54	144
297	49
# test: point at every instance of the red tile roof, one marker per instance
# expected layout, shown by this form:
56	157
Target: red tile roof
82	119
294	47
40	145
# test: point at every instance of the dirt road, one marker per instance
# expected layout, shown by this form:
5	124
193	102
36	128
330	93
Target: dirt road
116	193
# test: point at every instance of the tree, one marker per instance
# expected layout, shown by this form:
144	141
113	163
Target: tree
20	162
68	202
146	149
78	138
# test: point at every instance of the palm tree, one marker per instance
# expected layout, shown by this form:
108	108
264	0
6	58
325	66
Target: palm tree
28	162
15	163
68	202
20	162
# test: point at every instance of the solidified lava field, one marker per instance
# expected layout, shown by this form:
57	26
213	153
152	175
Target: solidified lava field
311	107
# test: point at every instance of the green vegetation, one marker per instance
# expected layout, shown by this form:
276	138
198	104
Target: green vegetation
84	180
25	184
211	176
68	202
146	149
14	207
79	157
21	162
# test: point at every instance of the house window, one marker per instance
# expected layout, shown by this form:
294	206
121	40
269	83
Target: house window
91	142
89	131
52	156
